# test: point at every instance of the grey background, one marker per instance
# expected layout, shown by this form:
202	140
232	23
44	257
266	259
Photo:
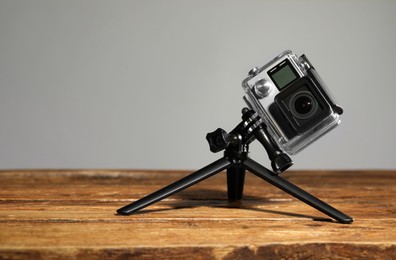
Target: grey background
138	84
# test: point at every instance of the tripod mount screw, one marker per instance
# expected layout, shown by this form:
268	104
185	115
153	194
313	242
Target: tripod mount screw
218	140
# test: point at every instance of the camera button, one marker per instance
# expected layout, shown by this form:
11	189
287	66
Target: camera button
254	71
262	88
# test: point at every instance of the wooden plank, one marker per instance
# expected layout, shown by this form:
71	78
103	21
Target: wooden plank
71	214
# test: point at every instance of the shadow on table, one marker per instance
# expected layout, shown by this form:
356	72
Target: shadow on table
218	199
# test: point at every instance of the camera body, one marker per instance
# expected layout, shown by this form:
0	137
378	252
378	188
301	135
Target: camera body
292	100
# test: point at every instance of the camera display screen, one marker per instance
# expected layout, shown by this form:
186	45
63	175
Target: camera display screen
283	74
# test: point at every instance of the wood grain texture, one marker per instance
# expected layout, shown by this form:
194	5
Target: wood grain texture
48	214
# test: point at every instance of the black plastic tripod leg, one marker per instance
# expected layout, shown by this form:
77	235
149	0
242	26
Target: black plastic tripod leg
177	186
295	191
235	182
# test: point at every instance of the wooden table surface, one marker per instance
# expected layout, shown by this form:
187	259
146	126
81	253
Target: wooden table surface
71	214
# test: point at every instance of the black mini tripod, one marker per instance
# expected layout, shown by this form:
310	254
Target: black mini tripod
236	162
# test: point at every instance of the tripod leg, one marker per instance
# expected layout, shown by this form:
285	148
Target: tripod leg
177	186
235	182
295	191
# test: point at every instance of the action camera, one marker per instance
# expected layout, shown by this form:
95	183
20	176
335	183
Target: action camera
292	100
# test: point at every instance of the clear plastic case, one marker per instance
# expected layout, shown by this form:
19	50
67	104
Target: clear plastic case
292	100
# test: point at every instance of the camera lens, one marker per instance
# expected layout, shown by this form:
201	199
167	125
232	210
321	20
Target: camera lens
303	105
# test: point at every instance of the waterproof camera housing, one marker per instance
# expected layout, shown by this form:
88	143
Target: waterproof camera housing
292	100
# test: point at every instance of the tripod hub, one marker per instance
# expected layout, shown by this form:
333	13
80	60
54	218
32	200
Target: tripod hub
252	127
